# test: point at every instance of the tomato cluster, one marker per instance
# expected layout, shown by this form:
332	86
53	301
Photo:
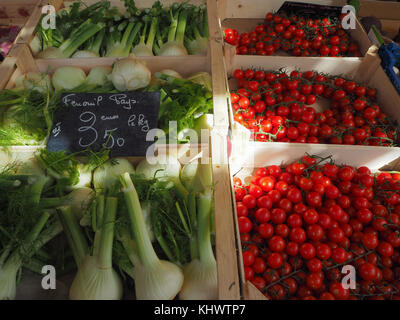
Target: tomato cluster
295	35
301	224
277	106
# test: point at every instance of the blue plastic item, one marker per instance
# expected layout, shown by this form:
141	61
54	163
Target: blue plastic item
390	56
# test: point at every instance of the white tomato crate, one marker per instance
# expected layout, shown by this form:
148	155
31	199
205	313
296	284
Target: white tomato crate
245	15
264	158
367	71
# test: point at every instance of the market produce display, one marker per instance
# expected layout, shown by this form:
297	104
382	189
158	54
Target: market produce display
119	221
296	36
300	224
145	232
277	106
101	30
27	110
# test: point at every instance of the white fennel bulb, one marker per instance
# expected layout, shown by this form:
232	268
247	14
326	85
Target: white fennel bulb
95	279
98	75
51	53
201	273
198	46
35	45
171	169
200	281
68	78
161	280
203	78
172	73
155	279
129	74
95	283
84	54
142	50
34	80
85	177
173	49
106	176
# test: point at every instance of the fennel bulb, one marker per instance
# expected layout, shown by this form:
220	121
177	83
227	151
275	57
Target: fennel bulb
161	280
98	76
84	54
142	50
95	283
175	44
155	279
201	274
79	200
200	281
51	53
169	170
198	46
35	45
107	175
11	262
172	73
85	177
196	38
196	176
173	49
95	279
68	78
164	172
34	80
203	78
121	46
129	74
145	48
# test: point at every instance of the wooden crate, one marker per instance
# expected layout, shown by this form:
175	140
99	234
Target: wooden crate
221	118
244	15
226	254
386	11
366	71
264	159
60	4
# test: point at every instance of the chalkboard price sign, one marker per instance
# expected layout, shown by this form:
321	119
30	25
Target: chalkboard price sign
116	121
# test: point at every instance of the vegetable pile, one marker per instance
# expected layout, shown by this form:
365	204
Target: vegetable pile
100	30
27	110
282	107
144	232
296	36
300	225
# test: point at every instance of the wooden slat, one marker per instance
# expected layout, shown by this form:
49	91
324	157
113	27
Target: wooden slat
226	249
26	34
221	116
7	68
252	293
25	61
